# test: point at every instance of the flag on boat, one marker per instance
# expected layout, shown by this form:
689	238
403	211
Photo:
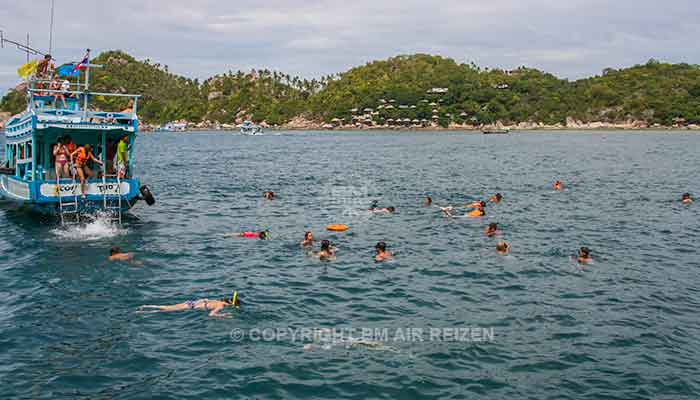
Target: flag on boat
68	71
27	69
82	65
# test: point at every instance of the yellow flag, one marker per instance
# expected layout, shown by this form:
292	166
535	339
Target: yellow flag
27	69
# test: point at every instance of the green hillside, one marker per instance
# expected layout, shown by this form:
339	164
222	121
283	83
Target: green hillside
406	88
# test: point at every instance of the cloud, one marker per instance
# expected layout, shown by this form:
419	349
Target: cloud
572	38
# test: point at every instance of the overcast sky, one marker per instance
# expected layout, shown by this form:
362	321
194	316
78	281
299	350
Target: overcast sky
570	38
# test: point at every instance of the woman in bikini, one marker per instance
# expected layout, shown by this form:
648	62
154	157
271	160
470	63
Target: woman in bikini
61	153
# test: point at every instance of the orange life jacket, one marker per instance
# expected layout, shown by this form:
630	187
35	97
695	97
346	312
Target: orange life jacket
83	156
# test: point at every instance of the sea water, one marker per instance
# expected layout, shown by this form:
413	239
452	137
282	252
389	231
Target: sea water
447	318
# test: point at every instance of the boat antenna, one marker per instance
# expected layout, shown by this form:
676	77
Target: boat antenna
22	47
51	28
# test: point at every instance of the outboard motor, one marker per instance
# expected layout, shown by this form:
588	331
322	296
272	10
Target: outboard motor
147	195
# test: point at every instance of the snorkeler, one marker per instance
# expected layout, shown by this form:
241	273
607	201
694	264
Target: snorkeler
428	201
213	306
327	251
388	210
264	235
584	255
686	198
382	253
116	255
308	239
502	248
269	195
496	198
492	230
557	185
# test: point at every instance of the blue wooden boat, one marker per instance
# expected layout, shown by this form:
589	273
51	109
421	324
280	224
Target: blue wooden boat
27	175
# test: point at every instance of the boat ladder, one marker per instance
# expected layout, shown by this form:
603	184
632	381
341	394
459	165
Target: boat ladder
69	211
109	205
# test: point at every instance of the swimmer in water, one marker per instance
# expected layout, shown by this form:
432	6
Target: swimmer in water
264	235
584	255
212	306
269	195
477	204
479	212
327	252
557	185
388	210
502	248
428	201
686	198
492	230
116	255
308	239
496	198
382	253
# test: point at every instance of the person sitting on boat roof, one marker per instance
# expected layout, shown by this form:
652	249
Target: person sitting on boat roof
55	85
82	155
123	156
61	153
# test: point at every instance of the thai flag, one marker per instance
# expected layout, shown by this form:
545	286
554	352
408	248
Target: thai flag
82	66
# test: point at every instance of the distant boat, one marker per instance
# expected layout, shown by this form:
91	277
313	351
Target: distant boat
250	129
495	131
173	127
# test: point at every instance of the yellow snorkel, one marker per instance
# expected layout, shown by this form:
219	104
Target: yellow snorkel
234	301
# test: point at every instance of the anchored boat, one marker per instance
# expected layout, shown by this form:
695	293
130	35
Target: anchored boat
28	174
249	128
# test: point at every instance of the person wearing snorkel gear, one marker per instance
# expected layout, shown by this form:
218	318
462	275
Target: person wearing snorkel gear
269	195
116	255
479	212
264	235
213	306
686	198
496	198
382	253
308	239
584	255
492	230
327	251
558	185
502	248
388	210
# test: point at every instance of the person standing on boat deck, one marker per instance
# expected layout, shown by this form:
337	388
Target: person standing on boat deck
122	156
61	153
55	85
82	155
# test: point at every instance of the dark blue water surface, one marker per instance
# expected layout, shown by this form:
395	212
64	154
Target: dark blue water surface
624	327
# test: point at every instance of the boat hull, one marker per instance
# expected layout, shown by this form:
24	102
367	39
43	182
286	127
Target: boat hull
43	197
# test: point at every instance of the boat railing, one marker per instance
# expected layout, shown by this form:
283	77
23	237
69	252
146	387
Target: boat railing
46	102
